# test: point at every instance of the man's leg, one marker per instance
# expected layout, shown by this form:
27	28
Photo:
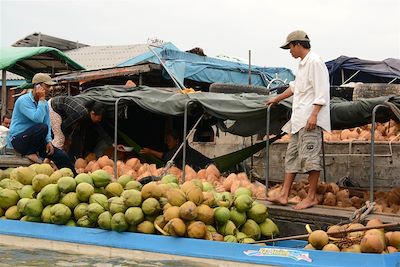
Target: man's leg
310	149
61	160
311	199
31	141
283	196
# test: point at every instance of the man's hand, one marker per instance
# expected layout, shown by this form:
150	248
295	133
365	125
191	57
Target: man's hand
145	150
311	123
49	149
67	144
40	93
272	101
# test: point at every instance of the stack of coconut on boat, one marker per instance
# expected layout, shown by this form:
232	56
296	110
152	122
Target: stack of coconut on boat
330	194
342	238
193	209
388	131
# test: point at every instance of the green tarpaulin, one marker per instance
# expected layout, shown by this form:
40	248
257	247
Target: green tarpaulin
27	61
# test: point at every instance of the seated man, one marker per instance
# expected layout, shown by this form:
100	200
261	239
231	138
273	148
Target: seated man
173	140
30	133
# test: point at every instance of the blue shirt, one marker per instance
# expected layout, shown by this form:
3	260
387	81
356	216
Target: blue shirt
27	112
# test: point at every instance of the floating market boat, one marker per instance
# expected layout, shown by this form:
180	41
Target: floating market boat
91	241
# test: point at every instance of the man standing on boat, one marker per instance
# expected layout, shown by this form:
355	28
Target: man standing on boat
310	115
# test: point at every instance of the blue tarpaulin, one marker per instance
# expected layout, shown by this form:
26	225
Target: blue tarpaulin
342	68
205	69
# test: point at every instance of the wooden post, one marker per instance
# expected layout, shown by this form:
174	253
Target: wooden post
3	94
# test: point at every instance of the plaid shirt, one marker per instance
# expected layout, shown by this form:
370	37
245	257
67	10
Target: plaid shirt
71	110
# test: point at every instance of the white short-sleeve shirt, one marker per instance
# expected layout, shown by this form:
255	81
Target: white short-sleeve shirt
311	87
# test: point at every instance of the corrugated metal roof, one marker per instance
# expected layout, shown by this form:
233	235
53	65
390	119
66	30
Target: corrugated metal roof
99	57
13	77
40	39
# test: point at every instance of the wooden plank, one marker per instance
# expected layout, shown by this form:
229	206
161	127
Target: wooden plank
292	222
7	161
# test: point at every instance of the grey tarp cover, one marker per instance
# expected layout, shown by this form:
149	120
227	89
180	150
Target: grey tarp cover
248	111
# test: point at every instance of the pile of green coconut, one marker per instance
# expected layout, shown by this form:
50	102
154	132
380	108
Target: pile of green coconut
40	194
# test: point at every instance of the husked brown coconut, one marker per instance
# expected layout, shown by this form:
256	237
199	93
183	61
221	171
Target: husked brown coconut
331	247
372	243
318	239
176	197
175	227
205	214
188	211
197	229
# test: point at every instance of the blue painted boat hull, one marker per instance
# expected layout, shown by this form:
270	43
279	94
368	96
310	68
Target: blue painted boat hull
285	253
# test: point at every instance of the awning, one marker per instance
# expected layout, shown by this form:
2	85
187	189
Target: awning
27	61
351	69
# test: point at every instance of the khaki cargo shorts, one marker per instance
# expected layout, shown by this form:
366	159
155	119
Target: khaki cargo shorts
303	151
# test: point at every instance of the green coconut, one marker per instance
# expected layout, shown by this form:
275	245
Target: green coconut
11	184
251	229
27	192
169	178
99	199
80	210
40	181
132	198
71	200
117	205
66	184
118	222
124	179
151	206
84	191
8	198
21	204
258	213
33	207
84	178
221	215
243	203
85	222
269	228
49	194
230	239
46	214
114	189
100	178
104	220
238	218
243	191
44	168
25	175
134	215
93	211
60	214
133	185
224	199
27	218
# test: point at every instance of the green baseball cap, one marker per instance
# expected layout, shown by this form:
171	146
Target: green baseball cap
295	36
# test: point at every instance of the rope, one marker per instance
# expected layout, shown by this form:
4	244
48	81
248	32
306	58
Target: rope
360	214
